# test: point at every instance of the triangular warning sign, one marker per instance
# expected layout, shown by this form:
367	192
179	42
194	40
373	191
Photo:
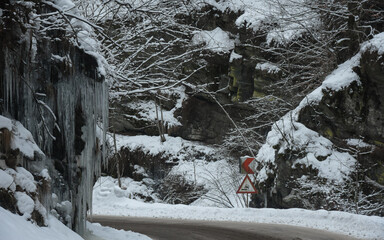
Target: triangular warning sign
247	186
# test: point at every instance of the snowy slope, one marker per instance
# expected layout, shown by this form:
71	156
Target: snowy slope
15	227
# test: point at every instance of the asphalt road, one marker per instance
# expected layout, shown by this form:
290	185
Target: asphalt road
168	229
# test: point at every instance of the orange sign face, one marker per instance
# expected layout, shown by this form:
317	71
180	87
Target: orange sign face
247	165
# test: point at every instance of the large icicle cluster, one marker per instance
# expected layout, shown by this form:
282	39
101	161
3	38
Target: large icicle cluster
54	84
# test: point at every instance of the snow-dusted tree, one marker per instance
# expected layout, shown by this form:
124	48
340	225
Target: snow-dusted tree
147	44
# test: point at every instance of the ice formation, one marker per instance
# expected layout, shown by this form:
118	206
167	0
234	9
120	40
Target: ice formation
56	89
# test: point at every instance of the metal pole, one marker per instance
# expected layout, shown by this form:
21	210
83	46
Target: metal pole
247	201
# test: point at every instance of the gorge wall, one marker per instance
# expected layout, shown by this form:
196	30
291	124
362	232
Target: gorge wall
259	67
52	84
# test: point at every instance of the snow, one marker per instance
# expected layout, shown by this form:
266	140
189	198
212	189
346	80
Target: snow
21	138
216	40
360	226
109	233
146	109
25	204
106	189
217	177
85	32
15	227
23	178
270	68
234	56
334	168
108	201
375	44
5	123
152	145
6	180
286	19
148	112
44	174
65	4
359	143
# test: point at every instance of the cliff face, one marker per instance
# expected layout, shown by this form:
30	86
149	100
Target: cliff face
259	61
328	152
52	84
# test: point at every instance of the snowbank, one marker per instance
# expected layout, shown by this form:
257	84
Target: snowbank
96	231
15	227
340	222
106	189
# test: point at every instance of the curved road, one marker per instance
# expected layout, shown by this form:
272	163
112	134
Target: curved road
171	229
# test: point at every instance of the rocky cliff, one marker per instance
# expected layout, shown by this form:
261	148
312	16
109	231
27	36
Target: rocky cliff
328	152
51	81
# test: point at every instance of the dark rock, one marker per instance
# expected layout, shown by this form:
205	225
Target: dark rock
8	200
202	121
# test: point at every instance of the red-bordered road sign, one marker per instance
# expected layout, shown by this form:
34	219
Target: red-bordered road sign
245	165
247	186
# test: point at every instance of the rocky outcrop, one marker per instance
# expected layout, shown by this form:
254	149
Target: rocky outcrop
355	112
328	152
52	85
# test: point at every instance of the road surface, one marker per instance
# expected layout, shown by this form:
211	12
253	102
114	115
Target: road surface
171	229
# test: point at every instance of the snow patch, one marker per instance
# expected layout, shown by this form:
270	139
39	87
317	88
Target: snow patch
152	145
234	56
270	68
5	123
23	178
286	19
106	189
216	40
44	174
15	227
112	234
25	204
359	143
375	44
21	138
6	181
